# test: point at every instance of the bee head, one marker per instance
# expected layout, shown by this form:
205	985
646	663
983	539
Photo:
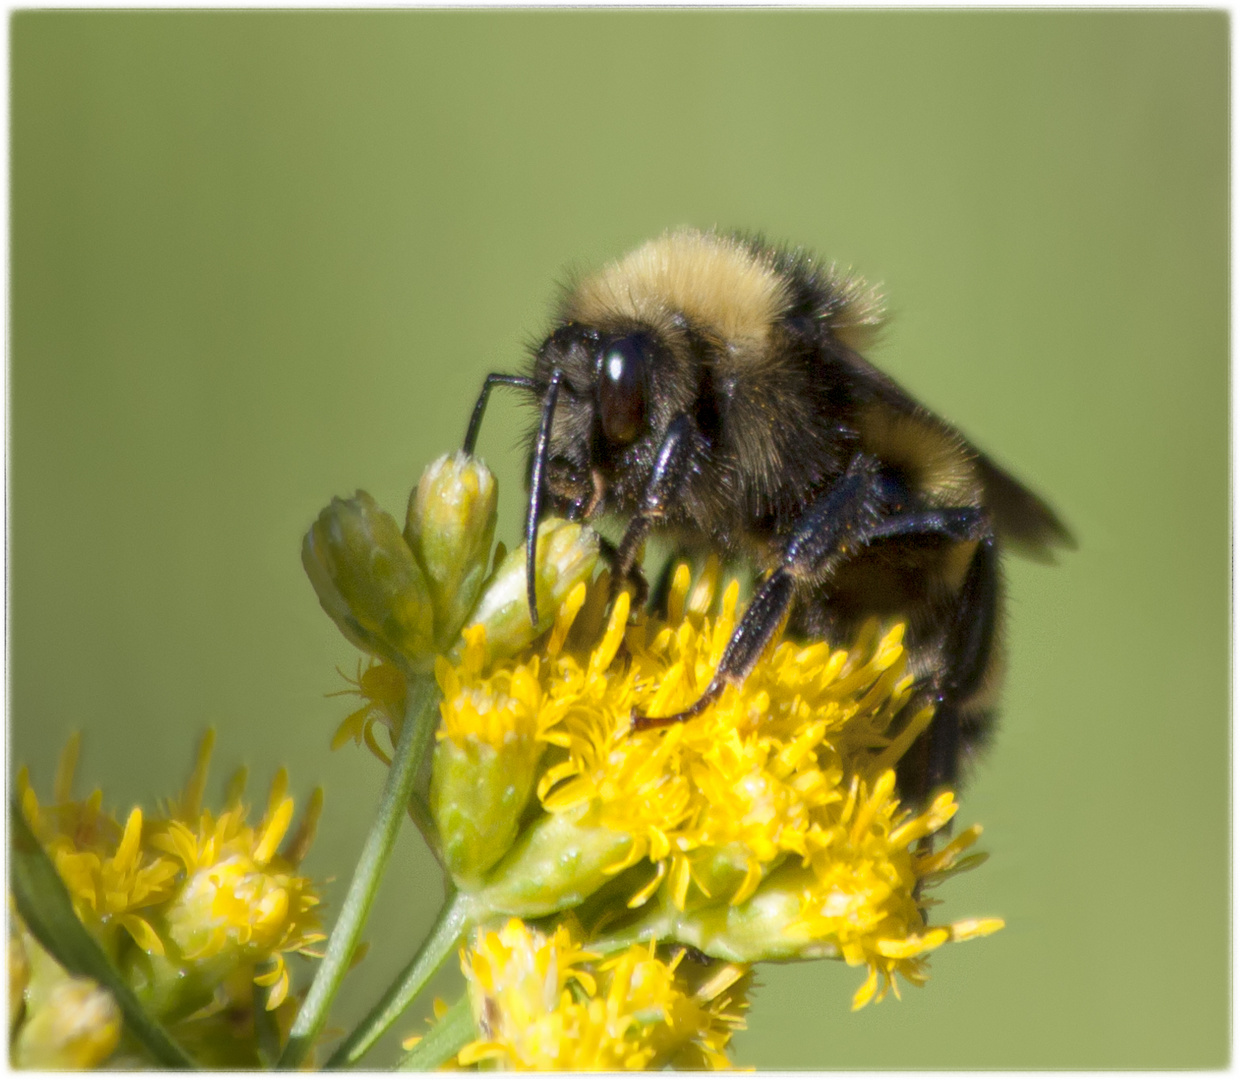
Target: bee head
610	414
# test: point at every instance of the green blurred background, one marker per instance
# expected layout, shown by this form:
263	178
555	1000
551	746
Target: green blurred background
262	259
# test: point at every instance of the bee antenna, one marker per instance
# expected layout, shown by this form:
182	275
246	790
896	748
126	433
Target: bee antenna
480	406
538	469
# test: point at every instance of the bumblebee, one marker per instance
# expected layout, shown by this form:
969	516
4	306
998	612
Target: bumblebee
711	387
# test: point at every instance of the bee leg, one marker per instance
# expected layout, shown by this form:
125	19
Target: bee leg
480	406
630	579
625	573
832	521
958	523
961	720
671	465
761	619
847	517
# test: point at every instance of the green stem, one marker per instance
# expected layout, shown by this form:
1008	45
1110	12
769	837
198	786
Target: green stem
451	1032
444	937
420	815
415	737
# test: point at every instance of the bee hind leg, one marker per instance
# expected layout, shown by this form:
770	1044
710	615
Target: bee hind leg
970	653
623	577
962	720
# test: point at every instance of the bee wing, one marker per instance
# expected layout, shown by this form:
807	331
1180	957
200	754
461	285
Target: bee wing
1022	519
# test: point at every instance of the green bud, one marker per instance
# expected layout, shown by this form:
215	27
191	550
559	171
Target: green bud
450	525
172	987
721	871
77	1027
478	793
567	553
758	929
555	864
368	581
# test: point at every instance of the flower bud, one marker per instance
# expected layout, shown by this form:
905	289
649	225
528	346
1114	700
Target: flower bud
567	553
767	926
450	525
478	792
77	1027
714	874
554	865
368	581
488	749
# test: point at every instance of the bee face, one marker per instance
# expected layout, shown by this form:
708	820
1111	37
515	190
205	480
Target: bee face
618	391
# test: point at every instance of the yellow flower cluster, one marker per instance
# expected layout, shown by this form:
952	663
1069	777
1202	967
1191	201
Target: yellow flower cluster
238	897
768	827
543	1002
780	798
715	802
191	906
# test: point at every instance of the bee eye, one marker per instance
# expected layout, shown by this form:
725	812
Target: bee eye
622	389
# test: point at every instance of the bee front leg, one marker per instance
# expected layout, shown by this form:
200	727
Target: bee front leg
837	524
672	466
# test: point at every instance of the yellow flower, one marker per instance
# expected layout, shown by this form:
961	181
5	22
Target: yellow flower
566	555
368	580
449	525
483	770
56	1020
110	875
767	827
544	1003
858	891
717	801
382	687
200	896
240	901
505	707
